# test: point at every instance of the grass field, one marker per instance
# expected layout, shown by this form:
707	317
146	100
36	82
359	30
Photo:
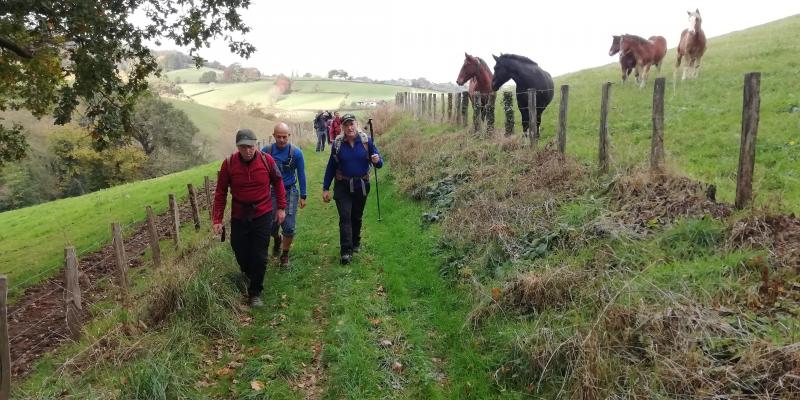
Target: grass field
191	74
32	239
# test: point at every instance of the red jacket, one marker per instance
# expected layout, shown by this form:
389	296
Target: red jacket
250	185
336	128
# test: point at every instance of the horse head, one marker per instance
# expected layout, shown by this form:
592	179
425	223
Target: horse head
469	69
501	73
694	21
615	44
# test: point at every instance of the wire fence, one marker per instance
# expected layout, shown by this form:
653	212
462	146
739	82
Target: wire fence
36	322
454	109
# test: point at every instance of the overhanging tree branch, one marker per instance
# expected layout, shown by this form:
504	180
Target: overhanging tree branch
8	44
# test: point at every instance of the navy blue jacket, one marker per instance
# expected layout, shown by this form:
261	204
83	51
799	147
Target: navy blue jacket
353	161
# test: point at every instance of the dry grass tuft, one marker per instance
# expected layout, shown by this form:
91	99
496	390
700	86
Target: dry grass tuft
645	200
778	233
535	291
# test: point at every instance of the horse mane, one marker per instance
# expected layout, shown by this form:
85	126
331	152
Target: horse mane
483	63
517	57
636	38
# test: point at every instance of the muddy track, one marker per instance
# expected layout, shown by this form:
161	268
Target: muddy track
36	322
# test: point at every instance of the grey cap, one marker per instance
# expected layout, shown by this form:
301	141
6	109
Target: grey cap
348	117
246	137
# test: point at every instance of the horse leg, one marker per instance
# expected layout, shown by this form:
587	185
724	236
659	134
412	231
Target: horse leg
525	122
646	70
696	68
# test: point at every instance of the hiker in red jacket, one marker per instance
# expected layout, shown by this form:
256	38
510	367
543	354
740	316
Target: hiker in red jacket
336	127
249	173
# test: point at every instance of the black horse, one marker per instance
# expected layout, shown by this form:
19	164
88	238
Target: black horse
527	75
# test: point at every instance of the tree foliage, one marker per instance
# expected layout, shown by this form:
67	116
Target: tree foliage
208	77
56	55
338	73
159	125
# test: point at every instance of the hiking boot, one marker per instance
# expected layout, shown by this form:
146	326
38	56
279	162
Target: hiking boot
285	260
276	247
346	258
255	302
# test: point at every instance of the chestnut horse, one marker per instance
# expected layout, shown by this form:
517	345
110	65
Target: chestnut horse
479	75
627	62
647	52
692	45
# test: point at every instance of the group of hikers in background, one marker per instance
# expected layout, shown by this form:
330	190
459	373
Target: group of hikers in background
268	185
327	126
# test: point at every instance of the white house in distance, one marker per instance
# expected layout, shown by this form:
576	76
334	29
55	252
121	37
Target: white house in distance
368	103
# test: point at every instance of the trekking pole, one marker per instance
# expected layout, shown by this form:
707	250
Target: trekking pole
377	191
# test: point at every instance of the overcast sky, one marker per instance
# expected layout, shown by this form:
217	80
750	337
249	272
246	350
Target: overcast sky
415	38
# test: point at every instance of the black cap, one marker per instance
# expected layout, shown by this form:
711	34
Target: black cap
246	137
348	117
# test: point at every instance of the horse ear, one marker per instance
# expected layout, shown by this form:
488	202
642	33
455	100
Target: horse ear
466	55
689	13
697	10
495	57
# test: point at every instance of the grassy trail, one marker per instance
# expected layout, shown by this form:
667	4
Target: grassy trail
386	326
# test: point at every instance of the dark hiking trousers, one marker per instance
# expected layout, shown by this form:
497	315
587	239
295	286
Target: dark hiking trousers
350	205
249	240
322	136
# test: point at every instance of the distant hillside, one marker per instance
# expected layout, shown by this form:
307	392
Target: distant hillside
306	96
218	127
191	75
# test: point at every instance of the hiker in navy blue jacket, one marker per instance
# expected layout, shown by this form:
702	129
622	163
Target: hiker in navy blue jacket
293	170
352	154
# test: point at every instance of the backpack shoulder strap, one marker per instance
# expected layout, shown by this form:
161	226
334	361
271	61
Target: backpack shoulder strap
365	143
337	144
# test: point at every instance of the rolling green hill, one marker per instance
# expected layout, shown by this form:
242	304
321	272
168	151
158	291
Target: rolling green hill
306	95
218	127
190	74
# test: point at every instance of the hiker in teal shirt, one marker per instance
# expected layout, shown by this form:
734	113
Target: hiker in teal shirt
293	170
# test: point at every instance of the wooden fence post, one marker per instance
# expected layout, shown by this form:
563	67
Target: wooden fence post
5	349
209	199
491	98
477	99
122	262
562	120
603	153
175	226
72	294
195	208
433	107
508	109
657	141
533	128
450	107
444	109
457	109
153	234
464	105
751	104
